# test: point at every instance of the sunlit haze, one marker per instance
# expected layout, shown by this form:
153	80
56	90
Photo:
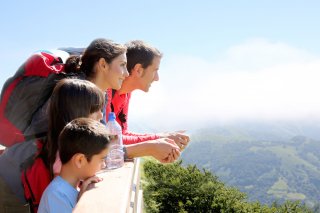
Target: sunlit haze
256	79
223	61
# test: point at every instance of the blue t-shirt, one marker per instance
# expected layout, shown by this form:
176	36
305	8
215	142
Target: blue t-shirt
59	196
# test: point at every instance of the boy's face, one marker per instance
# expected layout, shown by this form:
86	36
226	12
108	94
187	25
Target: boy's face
96	164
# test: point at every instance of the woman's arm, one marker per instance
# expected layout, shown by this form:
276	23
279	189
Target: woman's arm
163	149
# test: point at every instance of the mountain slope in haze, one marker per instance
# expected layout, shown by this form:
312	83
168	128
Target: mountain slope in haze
267	163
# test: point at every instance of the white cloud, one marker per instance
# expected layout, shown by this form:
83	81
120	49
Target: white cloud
258	79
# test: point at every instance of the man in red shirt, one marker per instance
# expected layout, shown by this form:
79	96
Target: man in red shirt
143	63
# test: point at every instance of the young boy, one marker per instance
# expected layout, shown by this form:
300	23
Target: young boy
83	147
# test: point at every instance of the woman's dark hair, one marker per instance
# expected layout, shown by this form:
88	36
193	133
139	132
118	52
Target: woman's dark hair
99	48
71	98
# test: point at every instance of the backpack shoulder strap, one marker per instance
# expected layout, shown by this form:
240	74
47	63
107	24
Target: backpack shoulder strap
111	104
31	200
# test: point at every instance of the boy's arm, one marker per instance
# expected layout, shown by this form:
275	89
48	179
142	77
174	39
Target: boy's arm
88	184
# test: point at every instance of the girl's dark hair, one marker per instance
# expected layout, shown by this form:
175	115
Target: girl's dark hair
71	98
99	48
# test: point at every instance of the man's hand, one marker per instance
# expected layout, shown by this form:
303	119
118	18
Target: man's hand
178	137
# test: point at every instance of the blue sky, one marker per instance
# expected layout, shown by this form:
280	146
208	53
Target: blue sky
206	44
184	27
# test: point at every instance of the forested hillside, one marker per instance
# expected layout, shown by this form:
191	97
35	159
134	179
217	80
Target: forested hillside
269	165
175	188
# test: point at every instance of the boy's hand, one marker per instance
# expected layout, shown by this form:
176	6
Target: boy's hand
88	184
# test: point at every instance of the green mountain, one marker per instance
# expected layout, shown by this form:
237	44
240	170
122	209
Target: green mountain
268	162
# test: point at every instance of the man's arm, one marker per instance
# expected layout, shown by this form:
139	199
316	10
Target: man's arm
120	105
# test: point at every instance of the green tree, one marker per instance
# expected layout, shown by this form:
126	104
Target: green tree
174	188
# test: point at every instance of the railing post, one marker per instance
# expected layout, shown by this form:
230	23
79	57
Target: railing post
136	202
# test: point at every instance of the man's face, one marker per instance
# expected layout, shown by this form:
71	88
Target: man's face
150	74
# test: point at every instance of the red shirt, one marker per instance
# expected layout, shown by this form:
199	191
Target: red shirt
121	106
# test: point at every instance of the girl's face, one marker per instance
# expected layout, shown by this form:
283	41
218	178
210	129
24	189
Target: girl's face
117	71
96	115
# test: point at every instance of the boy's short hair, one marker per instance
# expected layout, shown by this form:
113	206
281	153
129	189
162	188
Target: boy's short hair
82	135
139	52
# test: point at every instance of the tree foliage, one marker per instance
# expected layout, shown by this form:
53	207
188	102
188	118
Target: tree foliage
174	188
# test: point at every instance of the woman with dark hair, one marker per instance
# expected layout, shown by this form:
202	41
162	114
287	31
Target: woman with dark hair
104	63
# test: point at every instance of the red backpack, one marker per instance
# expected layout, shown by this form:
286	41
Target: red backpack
35	180
23	98
24	94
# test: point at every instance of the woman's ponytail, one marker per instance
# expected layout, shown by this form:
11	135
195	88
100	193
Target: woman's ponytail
73	64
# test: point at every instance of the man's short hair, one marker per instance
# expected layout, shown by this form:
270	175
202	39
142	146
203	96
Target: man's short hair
82	135
139	52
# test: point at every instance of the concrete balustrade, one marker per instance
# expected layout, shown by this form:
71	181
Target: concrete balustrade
118	192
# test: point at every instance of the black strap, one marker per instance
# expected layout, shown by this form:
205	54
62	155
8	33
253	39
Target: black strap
31	200
113	93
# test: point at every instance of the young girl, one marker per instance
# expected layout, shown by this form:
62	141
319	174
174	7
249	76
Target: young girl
83	147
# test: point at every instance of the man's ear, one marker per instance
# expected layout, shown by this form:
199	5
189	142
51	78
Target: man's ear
102	63
79	160
137	70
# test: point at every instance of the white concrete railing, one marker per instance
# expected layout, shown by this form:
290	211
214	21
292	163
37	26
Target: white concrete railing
118	192
136	198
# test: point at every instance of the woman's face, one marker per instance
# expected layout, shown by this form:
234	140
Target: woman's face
117	71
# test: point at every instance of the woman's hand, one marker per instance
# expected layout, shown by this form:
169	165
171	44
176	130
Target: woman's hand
165	150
